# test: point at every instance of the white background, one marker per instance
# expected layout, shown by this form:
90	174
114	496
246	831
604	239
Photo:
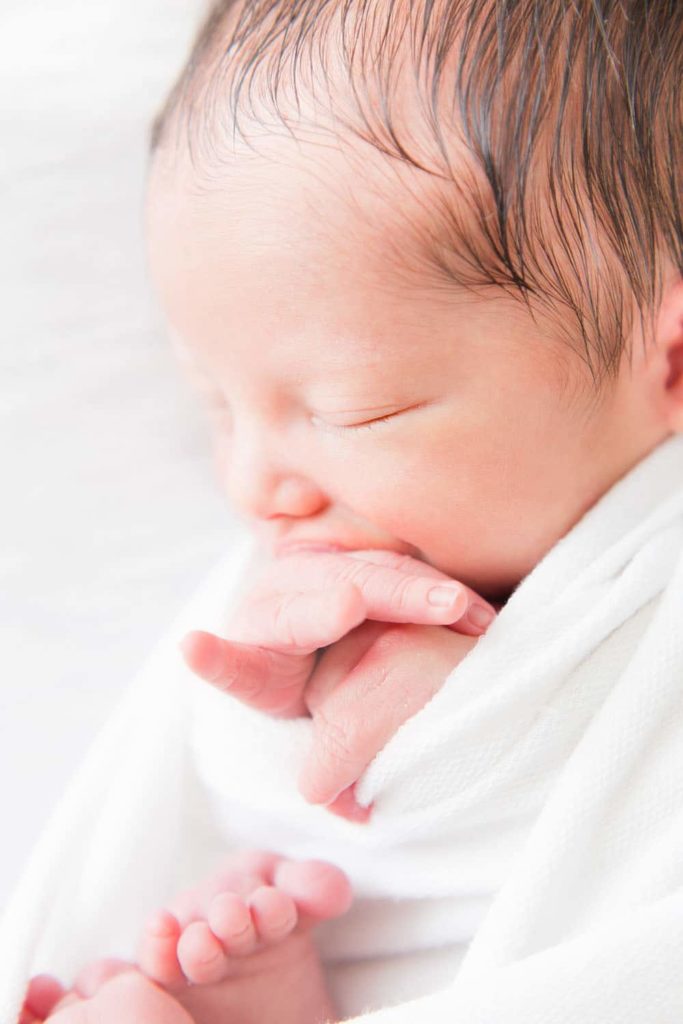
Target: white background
109	515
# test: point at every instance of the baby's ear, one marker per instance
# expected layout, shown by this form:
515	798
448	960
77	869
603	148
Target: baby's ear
668	354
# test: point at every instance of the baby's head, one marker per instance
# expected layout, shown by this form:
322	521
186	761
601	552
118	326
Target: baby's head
427	258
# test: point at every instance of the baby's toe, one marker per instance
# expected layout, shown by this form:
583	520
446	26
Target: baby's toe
274	914
231	922
319	890
194	904
44	992
158	951
201	955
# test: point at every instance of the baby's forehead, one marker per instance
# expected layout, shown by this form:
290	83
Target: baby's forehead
344	87
546	208
357	220
400	179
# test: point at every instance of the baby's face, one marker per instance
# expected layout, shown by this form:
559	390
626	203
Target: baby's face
365	405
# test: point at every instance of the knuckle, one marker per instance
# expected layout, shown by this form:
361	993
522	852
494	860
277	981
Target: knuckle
381	678
399	594
401	563
242	672
284	621
354	571
337	741
369	580
232	666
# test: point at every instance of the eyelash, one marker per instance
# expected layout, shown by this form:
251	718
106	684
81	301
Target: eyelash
356	427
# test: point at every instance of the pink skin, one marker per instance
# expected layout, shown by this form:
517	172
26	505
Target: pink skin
390	672
363	405
278	670
237	948
124	995
359	402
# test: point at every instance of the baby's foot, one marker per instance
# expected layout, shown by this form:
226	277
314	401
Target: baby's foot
44	992
114	992
240	948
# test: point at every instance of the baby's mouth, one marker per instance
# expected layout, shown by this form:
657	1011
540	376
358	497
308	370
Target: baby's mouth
288	547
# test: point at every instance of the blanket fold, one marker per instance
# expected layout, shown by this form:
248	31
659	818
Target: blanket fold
532	812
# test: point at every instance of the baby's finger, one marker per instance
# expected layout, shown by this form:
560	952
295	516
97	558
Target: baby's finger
268	680
270	671
392	587
299	620
471	614
358	718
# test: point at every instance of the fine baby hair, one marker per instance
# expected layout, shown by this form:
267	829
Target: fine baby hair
543	133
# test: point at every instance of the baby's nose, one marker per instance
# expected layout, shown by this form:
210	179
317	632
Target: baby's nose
261	490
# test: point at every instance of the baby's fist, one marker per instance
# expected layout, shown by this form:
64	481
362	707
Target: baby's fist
362	690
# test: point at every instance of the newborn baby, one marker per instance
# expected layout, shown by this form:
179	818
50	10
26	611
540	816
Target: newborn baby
428	351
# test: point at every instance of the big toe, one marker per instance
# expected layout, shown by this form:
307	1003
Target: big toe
320	890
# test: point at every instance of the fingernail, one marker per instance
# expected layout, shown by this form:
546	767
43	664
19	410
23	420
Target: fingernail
444	597
479	616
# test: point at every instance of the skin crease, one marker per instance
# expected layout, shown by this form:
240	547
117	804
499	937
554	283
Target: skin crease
282	291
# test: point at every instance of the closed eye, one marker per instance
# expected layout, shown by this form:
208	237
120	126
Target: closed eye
364	424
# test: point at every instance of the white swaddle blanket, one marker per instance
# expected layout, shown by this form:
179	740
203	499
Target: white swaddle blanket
538	796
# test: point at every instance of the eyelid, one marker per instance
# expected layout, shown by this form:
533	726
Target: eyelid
369	424
365	424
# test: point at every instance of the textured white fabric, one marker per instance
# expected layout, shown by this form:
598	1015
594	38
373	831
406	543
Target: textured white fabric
536	802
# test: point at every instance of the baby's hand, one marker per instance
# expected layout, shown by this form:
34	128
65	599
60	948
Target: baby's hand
389	668
362	690
310	600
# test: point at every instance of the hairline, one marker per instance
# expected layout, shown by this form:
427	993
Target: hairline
259	43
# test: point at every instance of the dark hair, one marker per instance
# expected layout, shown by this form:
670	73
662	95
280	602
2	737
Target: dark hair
571	108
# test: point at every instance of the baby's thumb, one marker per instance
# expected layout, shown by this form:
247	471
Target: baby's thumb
270	681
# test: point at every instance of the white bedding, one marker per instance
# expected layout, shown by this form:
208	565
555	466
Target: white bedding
542	782
108	512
